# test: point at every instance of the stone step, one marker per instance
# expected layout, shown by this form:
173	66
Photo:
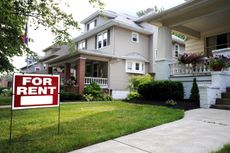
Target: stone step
226	107
225	95
224	101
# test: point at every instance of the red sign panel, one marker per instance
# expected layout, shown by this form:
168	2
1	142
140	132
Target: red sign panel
35	91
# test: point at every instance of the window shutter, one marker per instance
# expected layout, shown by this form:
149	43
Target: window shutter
95	41
108	35
86	44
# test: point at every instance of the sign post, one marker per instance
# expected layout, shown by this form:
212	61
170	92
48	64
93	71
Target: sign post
35	91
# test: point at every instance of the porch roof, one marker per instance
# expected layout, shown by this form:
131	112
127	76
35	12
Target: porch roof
193	17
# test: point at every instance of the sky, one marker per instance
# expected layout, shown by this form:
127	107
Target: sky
80	9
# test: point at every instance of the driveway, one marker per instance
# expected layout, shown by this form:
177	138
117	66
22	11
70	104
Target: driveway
200	131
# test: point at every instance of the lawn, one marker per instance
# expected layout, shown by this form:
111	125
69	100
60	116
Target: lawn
5	100
82	124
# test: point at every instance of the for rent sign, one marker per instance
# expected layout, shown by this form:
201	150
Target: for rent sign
35	91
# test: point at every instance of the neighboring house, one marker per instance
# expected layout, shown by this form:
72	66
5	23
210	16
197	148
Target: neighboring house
6	81
33	66
207	27
112	49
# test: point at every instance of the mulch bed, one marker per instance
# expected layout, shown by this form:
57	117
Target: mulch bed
185	104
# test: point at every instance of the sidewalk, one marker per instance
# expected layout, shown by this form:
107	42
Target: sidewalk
200	131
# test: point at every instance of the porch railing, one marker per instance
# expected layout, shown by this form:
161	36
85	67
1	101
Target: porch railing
188	69
103	82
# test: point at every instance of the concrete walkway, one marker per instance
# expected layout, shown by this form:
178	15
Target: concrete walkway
200	131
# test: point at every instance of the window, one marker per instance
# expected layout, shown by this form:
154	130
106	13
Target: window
91	25
176	50
217	42
135	67
37	69
82	45
102	39
135	37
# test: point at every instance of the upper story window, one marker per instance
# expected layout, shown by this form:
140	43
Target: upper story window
135	37
135	67
176	50
82	45
91	25
102	39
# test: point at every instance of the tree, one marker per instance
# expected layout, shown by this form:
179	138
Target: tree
16	14
155	9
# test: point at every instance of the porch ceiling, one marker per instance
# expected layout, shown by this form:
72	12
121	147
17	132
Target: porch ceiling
194	17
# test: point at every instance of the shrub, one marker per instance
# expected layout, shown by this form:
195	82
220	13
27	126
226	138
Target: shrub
88	97
135	81
2	88
194	96
95	91
162	90
133	95
7	92
171	103
64	96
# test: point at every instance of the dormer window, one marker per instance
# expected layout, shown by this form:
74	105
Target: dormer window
91	25
82	45
135	37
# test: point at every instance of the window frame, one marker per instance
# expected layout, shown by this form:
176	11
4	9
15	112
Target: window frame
35	69
92	24
80	43
102	34
137	37
140	70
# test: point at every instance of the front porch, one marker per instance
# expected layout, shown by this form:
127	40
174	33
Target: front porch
76	74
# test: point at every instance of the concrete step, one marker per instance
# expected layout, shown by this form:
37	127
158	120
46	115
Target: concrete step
225	95
217	106
224	101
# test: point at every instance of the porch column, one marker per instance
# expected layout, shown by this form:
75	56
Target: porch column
80	74
67	68
50	70
163	53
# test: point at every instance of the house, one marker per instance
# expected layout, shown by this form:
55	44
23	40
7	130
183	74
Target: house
207	27
33	66
112	48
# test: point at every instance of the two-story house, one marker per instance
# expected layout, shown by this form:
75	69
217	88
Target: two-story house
112	48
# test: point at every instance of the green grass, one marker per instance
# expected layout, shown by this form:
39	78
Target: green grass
225	149
82	124
5	100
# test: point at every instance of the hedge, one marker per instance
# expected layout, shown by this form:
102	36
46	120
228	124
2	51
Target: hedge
162	90
68	96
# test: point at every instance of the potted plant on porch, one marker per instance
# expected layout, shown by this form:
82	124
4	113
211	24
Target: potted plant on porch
219	63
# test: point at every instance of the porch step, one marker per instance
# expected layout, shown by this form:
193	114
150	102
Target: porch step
225	95
226	107
223	101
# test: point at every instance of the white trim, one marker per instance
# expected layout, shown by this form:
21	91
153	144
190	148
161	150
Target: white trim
137	34
133	70
178	50
102	36
81	45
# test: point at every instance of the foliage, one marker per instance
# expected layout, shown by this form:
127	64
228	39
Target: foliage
162	90
135	81
6	92
68	96
2	88
155	10
191	58
133	96
225	149
82	124
88	97
171	103
16	14
218	63
94	90
194	96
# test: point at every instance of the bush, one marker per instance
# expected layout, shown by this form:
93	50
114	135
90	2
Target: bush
133	95
2	88
162	90
194	96
7	92
94	90
135	81
64	96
